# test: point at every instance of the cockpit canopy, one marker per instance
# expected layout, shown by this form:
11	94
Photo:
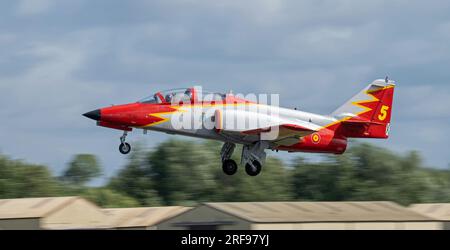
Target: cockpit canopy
183	95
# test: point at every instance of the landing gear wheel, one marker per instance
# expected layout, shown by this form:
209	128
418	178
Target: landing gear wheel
124	148
229	167
253	170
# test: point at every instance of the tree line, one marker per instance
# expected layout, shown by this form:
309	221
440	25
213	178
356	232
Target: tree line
181	172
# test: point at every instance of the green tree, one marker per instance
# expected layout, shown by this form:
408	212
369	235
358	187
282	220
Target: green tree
188	172
136	180
273	184
81	169
317	181
19	179
367	172
181	172
108	198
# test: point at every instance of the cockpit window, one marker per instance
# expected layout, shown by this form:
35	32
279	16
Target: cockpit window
177	95
212	97
183	95
150	99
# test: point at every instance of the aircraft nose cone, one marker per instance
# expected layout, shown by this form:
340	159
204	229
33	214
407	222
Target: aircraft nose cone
94	115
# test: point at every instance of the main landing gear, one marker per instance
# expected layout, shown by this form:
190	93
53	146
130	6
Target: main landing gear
229	166
253	157
253	168
124	147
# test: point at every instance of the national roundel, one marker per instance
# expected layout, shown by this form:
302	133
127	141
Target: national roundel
315	138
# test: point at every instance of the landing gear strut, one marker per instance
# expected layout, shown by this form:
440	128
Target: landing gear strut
253	157
229	166
124	147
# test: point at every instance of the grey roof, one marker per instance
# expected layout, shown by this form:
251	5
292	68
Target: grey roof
32	207
440	211
271	212
141	216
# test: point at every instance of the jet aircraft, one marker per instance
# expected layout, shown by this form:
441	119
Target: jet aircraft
257	126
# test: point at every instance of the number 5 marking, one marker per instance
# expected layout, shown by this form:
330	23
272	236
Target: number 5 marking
383	113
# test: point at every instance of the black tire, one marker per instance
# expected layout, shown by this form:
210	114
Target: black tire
253	170
124	148
229	167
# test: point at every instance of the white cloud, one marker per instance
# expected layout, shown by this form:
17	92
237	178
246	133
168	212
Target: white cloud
423	102
316	54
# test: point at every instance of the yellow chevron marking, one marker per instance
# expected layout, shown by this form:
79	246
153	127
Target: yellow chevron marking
358	104
365	109
184	108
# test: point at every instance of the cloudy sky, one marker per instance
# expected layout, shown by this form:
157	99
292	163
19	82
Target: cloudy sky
61	58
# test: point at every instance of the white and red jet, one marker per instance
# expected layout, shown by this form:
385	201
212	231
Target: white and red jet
234	120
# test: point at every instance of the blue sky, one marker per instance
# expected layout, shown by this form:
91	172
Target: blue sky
59	59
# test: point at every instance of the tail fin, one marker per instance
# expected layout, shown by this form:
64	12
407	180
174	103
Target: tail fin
368	113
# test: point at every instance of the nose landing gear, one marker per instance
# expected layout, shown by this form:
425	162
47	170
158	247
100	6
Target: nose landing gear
124	147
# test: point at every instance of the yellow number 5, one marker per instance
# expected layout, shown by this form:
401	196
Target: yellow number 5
383	113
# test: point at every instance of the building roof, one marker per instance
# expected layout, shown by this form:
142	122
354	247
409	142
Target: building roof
439	211
276	212
142	216
32	207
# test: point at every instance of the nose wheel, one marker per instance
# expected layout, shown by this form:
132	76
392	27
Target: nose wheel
124	147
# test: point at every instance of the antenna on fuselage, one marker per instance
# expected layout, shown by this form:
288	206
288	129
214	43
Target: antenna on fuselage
386	79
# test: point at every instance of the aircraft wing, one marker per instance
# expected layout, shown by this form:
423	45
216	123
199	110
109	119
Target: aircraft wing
283	132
